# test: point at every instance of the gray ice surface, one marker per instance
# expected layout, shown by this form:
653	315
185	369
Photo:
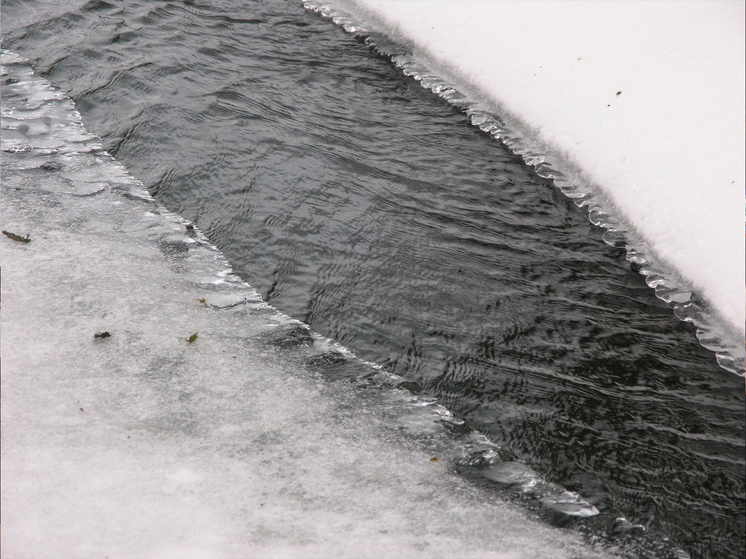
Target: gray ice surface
239	444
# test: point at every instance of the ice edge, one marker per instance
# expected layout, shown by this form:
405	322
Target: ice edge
687	303
470	452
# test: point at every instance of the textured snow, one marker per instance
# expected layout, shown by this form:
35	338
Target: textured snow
645	98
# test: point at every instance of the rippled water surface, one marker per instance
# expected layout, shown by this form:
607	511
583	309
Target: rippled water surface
364	205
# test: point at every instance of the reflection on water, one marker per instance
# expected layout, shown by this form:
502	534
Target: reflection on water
369	208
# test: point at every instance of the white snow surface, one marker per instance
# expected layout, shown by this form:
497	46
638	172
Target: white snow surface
144	445
646	99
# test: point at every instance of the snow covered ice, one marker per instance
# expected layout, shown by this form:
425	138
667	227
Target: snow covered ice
203	425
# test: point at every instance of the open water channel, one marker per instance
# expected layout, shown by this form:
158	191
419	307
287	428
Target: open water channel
369	208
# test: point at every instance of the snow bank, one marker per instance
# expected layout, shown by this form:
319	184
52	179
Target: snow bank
646	99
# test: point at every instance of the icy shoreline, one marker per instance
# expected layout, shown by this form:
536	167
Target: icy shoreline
154	406
719	320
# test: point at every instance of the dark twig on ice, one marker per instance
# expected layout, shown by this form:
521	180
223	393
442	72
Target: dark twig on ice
15	237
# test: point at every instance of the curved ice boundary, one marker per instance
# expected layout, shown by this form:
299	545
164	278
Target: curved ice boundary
688	305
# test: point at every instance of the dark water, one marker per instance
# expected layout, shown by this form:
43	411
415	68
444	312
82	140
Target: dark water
362	204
